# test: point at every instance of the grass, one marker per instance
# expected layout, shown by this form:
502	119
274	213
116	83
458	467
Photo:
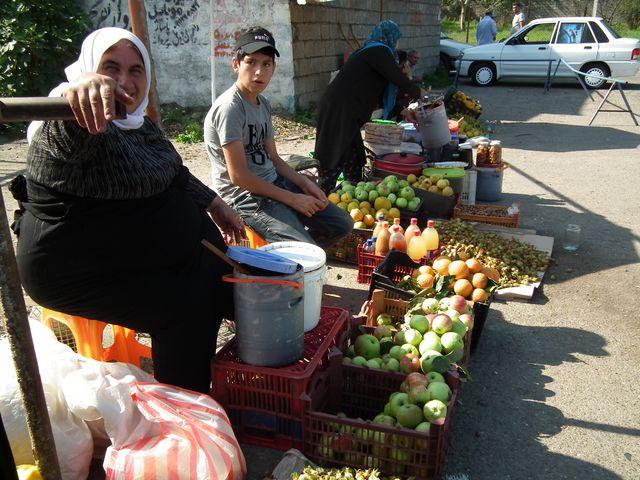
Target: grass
451	28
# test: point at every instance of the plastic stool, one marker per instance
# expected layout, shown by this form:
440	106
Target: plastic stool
85	337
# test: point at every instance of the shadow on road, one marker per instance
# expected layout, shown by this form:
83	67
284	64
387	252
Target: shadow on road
503	413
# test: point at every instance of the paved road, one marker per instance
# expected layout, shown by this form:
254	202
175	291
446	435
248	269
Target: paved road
554	393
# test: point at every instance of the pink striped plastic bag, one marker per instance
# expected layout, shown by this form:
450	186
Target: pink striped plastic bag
190	437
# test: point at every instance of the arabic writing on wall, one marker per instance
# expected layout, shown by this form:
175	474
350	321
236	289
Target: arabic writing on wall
224	42
171	23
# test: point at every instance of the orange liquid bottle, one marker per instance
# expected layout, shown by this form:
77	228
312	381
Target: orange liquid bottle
417	247
396	240
396	223
430	234
378	226
382	242
412	228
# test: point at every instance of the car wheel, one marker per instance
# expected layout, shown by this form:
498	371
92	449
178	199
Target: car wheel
597	69
483	74
445	62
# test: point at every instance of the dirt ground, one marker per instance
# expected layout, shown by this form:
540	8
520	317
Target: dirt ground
554	391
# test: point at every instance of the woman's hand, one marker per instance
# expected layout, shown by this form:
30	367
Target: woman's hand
93	100
410	115
229	223
310	188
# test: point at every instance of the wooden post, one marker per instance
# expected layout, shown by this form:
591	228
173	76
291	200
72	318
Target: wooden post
24	356
138	14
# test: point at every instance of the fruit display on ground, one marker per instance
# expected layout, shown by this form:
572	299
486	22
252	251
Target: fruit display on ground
472	127
346	473
366	201
434	183
517	263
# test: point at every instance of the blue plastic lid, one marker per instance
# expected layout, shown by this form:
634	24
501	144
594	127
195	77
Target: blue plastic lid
260	259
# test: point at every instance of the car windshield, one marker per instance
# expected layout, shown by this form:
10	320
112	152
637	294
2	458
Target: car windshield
609	29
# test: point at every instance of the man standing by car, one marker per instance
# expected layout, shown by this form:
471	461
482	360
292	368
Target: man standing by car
486	30
518	18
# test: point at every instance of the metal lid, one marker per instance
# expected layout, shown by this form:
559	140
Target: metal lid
264	260
495	142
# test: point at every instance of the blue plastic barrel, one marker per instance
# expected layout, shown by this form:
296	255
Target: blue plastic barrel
489	184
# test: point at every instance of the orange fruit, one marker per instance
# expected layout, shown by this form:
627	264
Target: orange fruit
463	287
425	280
491	273
479	280
474	265
369	221
356	215
441	265
426	269
479	295
459	269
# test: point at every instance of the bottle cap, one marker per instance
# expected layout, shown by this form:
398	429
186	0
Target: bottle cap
380	218
414	221
431	223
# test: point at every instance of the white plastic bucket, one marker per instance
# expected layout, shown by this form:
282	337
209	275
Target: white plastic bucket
313	260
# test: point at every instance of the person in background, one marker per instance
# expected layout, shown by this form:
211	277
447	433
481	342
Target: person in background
518	18
402	62
486	30
277	202
370	74
113	221
413	58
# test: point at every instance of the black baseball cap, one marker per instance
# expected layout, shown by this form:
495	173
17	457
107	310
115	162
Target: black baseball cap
256	40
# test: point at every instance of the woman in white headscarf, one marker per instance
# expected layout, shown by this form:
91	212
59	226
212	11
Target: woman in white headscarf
112	221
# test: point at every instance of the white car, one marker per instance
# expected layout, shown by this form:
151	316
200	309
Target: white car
588	44
450	50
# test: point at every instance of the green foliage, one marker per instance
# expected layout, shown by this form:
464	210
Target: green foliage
193	133
438	79
307	116
38	38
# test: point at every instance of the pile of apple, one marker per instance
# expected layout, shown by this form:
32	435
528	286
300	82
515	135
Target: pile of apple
434	183
422	399
431	339
366	201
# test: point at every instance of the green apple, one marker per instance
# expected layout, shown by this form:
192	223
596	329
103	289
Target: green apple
409	415
373	194
419	395
430	341
397	352
382	331
456	355
383	190
346	361
405	183
374	364
459	327
396	402
423	427
412	336
434	361
439	391
401	202
361	184
441	324
387	409
359	361
399	338
393	365
407	193
393	186
435	377
392	198
430	305
361	194
384	419
419	323
413	204
410	349
367	346
384	319
434	409
339	192
451	341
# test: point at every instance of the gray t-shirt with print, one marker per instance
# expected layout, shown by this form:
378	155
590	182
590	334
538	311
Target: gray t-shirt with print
233	118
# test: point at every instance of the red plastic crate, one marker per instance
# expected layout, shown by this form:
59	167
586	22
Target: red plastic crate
361	394
266	405
367	263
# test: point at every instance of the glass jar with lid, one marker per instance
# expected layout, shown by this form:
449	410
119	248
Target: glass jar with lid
482	153
495	152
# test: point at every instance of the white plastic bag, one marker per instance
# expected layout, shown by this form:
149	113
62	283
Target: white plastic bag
180	435
72	437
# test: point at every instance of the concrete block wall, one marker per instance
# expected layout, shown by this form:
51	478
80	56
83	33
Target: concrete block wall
319	47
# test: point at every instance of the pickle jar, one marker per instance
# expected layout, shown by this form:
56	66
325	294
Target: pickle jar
482	153
495	152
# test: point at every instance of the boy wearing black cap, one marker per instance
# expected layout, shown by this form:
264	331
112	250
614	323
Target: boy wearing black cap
272	198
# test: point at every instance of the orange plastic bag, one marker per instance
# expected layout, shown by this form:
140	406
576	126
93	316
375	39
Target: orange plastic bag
194	439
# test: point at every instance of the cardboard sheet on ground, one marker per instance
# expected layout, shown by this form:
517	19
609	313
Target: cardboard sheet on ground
540	242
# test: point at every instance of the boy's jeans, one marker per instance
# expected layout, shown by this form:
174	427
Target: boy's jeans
276	222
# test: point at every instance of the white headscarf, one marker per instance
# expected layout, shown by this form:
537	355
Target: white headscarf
91	52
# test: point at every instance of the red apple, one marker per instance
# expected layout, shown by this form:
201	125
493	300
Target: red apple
458	302
410	363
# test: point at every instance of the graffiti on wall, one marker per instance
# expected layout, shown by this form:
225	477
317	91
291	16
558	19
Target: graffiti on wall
171	23
228	16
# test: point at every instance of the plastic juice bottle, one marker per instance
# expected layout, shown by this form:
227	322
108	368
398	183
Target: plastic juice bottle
417	247
430	234
396	223
382	243
396	240
378	227
412	228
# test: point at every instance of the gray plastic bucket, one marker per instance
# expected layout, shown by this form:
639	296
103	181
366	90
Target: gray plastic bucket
434	127
269	319
489	184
